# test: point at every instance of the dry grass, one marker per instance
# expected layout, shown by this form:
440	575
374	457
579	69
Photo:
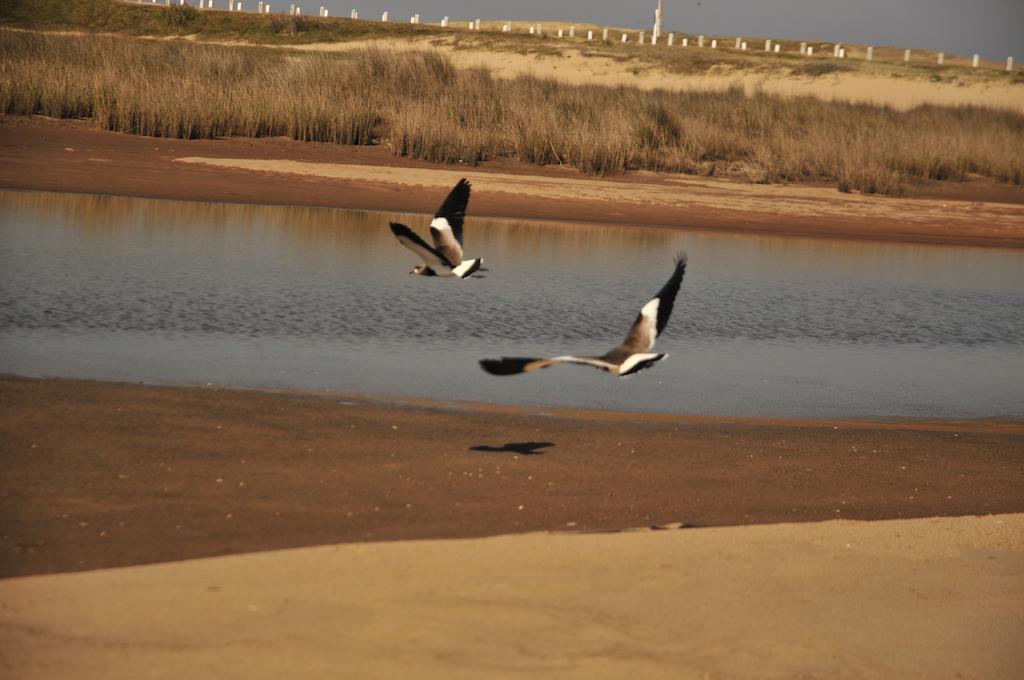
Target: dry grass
422	107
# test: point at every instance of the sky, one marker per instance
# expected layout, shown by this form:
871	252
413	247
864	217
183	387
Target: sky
992	28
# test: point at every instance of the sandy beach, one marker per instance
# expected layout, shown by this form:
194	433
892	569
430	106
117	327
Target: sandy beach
73	156
163	531
835	599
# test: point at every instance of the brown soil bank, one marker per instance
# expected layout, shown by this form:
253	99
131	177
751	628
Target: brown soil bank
71	156
105	474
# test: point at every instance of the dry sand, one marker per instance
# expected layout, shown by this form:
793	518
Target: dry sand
41	154
927	598
670	191
570	66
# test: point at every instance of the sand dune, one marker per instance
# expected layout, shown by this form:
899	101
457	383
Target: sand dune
570	66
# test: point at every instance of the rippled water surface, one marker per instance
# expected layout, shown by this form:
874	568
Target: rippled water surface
181	292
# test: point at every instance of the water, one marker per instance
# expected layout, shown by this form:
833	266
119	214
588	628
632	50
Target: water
196	293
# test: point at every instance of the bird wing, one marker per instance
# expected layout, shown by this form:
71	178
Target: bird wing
411	240
446	227
515	365
653	316
444	240
453	210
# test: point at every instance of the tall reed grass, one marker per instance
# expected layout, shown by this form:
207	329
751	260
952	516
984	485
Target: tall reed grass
421	106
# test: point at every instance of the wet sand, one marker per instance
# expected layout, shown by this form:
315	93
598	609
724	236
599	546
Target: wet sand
104	474
41	154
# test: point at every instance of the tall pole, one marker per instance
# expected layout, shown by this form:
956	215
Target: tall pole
659	18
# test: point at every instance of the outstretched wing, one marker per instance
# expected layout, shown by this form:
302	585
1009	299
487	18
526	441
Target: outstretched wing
653	316
446	227
411	240
515	365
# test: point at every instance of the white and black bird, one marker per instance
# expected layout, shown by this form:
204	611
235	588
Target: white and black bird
444	258
633	355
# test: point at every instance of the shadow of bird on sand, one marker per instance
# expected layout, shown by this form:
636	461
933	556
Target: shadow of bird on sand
522	448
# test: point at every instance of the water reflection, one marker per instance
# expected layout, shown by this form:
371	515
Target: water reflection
310	297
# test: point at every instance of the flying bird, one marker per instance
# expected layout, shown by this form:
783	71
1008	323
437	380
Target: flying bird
444	258
633	355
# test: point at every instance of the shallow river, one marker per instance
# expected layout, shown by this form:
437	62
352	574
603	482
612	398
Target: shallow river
197	293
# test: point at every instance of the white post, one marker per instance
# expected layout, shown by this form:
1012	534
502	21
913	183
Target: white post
321	10
871	53
739	41
590	35
298	11
291	10
531	30
777	48
259	7
572	31
810	50
471	25
640	38
559	33
842	53
384	16
975	61
444	22
835	49
942	58
266	8
700	41
477	25
714	44
540	29
604	35
803	48
238	6
686	42
625	38
767	45
906	56
1009	63
671	39
743	45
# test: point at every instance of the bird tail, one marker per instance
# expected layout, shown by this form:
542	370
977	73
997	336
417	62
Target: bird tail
468	267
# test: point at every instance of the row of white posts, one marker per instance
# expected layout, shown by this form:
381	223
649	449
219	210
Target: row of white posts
838	51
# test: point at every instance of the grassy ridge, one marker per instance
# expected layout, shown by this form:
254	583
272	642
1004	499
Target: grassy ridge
109	16
422	107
